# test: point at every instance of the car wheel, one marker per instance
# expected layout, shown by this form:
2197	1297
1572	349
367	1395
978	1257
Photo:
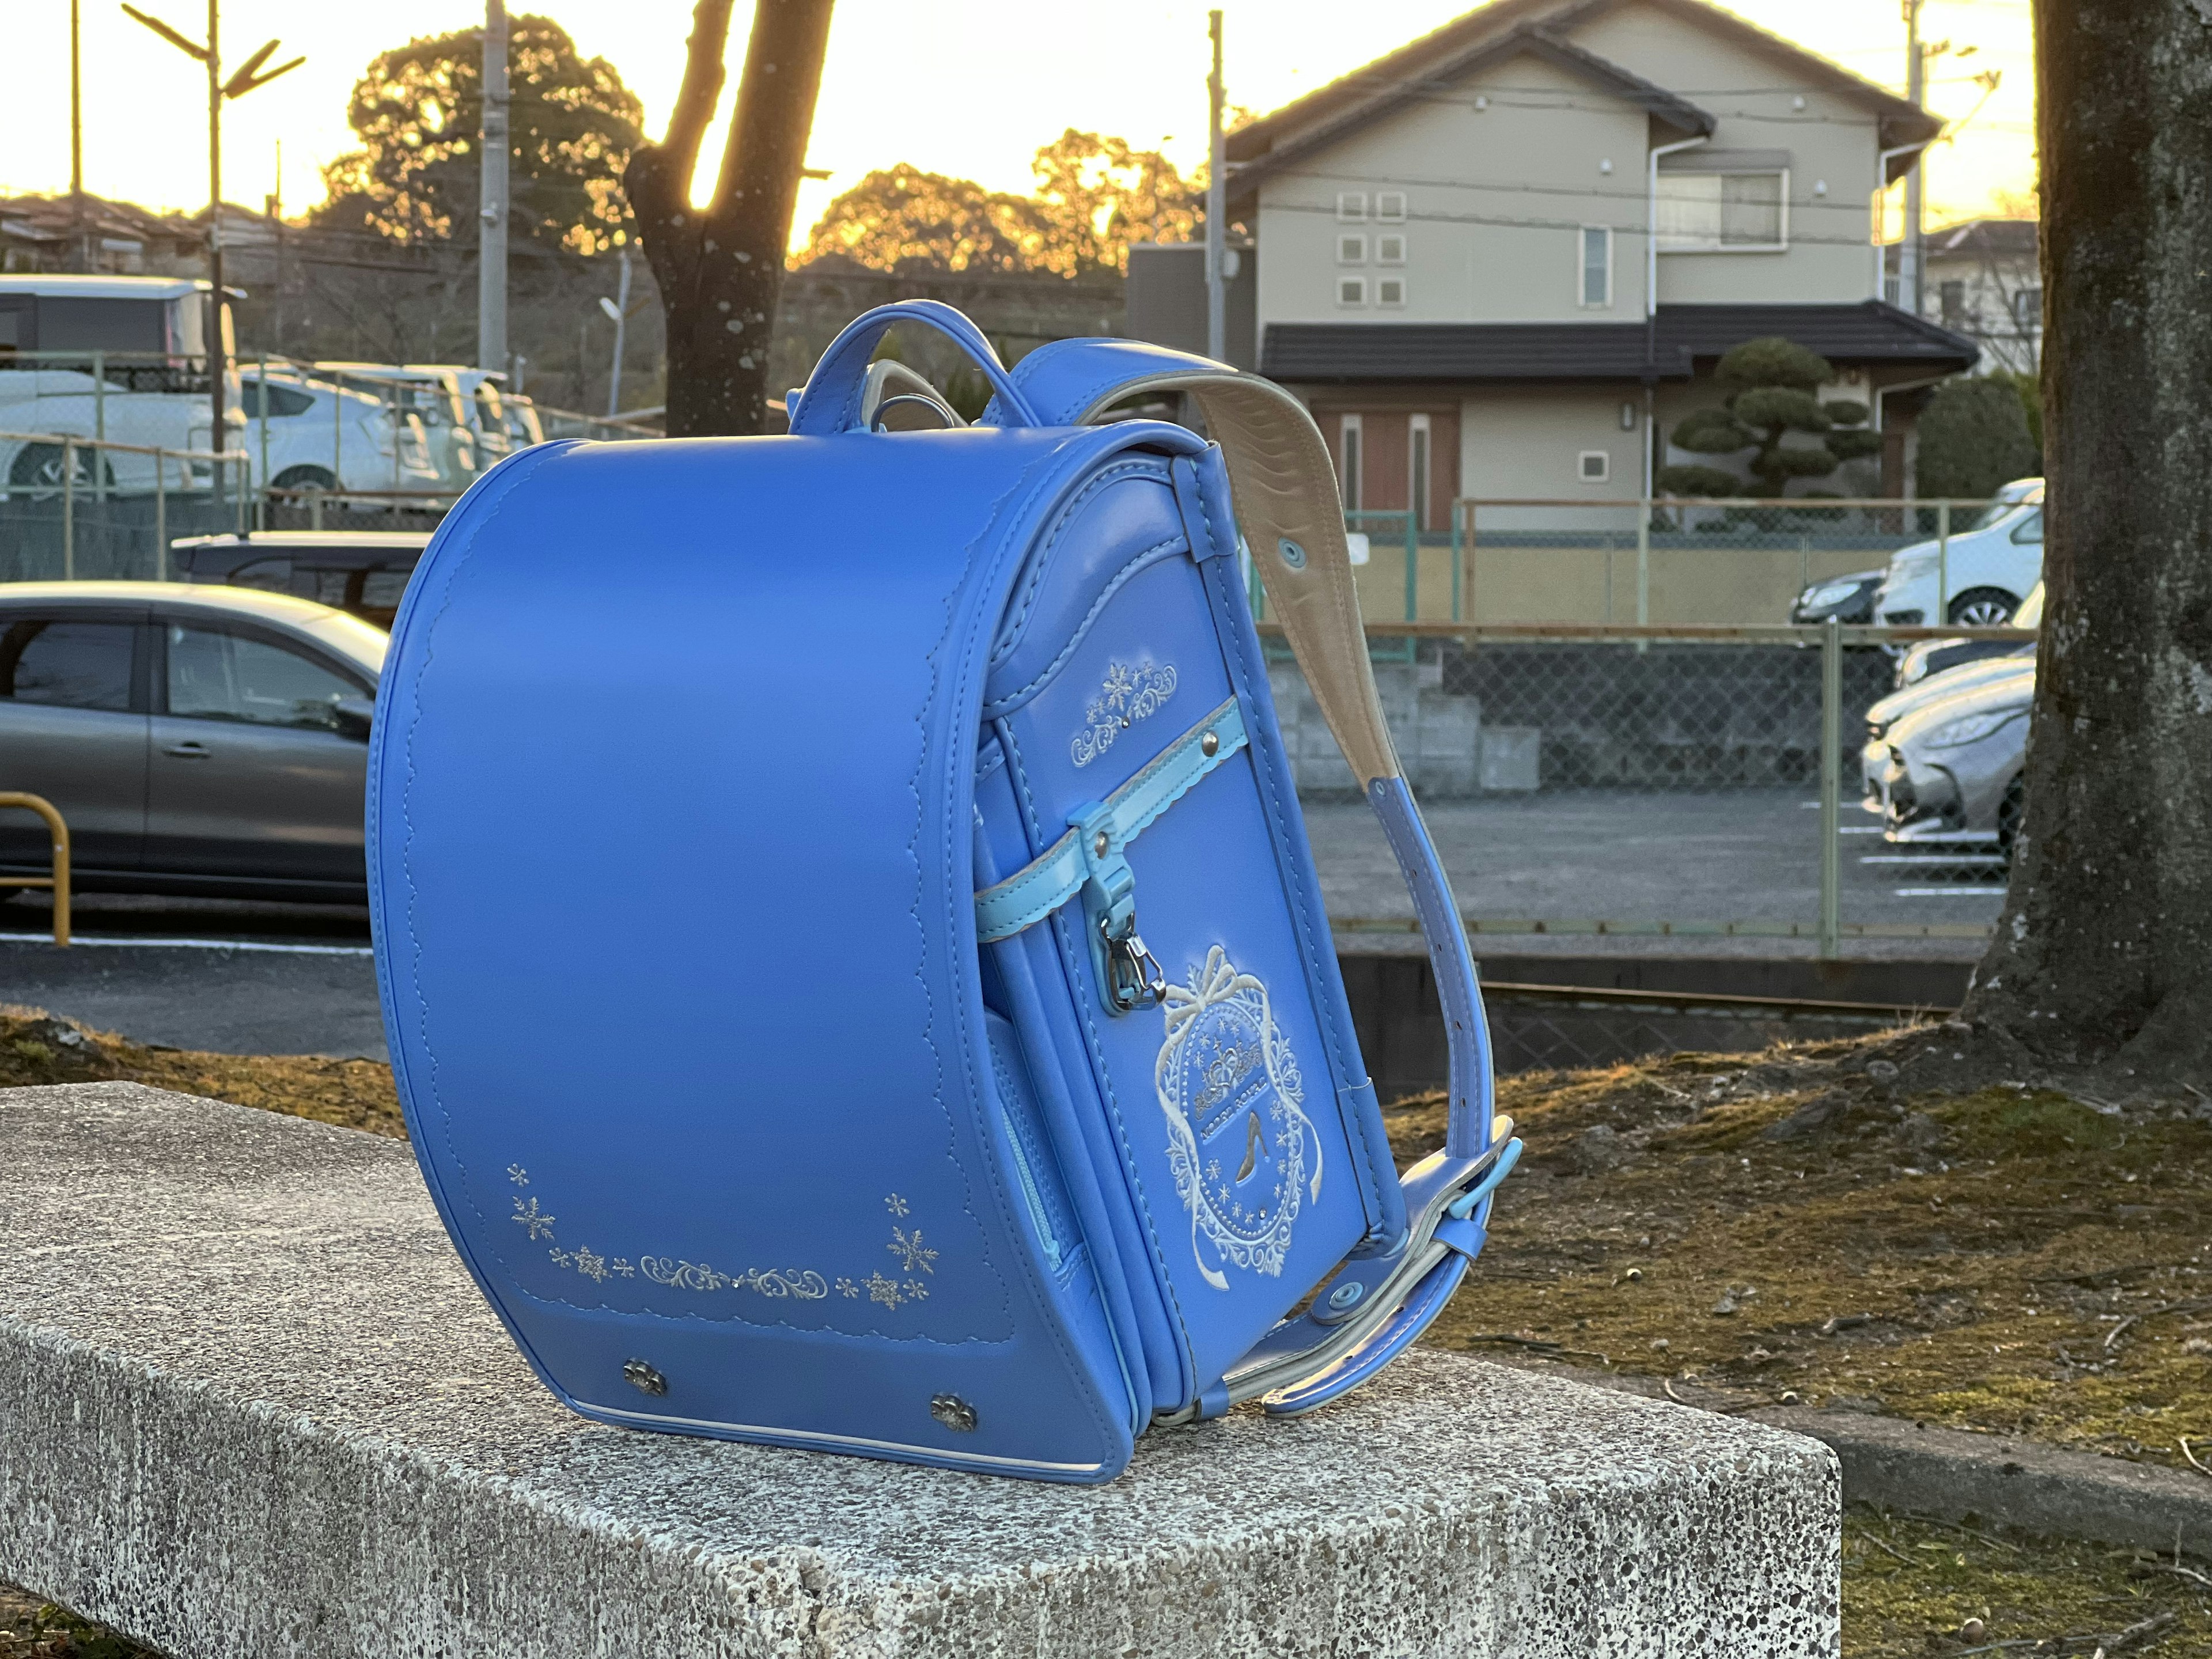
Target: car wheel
2010	814
36	469
1983	607
304	478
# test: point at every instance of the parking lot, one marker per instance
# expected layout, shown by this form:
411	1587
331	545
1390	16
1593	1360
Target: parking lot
250	978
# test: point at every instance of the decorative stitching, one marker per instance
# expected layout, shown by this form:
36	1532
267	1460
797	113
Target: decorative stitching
1138	563
1016	623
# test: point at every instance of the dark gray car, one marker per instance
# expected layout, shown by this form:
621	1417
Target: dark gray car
197	740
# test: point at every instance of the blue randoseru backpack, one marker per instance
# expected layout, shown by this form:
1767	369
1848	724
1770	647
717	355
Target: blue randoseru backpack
853	965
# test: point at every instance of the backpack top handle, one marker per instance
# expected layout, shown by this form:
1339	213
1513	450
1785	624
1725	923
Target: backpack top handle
830	402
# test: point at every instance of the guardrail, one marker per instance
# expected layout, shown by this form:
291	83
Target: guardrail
58	868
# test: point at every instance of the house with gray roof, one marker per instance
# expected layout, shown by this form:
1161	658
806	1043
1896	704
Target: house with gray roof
1502	261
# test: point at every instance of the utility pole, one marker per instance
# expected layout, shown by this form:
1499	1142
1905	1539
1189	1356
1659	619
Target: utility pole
81	254
1216	207
618	310
491	257
248	76
1913	247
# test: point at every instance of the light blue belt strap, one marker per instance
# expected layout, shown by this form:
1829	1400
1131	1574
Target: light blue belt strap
1057	875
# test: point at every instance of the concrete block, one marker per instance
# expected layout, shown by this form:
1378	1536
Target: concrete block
252	1405
1512	757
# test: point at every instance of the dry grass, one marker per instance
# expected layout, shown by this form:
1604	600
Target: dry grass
35	1047
2009	1259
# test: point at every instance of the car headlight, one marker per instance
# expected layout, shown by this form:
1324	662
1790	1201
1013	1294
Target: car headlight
1970	728
1833	593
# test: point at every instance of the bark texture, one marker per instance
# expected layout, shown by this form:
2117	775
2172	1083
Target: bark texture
2104	953
721	268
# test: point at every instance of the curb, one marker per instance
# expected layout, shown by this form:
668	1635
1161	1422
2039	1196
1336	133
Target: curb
1949	1474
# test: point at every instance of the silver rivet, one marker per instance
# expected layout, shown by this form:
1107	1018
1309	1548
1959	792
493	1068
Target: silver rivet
1100	842
953	1411
642	1377
1210	744
1344	1296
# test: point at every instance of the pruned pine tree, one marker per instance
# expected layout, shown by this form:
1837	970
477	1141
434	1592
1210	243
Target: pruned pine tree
1770	386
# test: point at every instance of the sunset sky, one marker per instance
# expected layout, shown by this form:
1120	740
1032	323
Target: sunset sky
969	89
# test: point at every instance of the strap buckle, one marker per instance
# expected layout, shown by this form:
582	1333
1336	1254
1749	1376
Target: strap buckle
1134	978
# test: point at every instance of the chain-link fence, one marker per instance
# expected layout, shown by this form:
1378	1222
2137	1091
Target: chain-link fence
1682	782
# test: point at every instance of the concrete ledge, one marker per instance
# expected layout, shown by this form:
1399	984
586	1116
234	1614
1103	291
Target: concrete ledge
250	1404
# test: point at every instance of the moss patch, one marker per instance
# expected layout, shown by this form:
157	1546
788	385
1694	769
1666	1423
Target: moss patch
2010	1260
1911	1587
33	1629
36	1047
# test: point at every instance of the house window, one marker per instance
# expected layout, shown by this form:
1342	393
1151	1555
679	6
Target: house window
1390	206
1594	465
2028	309
1710	212
1952	295
1390	250
1352	290
1417	469
1348	459
1351	249
1597	274
1351	207
1390	290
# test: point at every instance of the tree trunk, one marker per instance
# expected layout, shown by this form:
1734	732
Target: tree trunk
2104	954
720	269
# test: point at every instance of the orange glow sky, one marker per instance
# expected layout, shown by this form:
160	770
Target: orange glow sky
970	88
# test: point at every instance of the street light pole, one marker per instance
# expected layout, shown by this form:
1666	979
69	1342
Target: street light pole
249	77
1910	253
1217	207
80	255
492	217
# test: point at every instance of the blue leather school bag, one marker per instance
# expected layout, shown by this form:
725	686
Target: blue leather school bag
853	965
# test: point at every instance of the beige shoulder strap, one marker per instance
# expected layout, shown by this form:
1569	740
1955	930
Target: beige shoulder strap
1287	505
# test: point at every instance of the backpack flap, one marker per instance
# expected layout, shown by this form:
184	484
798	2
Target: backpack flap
670	865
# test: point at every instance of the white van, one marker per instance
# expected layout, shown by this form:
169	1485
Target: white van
147	335
1984	573
431	391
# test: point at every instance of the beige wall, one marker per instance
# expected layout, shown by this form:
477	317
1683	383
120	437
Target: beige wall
1526	442
1510	161
1832	140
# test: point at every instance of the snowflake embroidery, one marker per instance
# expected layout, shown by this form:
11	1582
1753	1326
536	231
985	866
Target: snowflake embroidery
518	1174
593	1268
1126	695
917	1291
911	1250
895	1205
846	1287
885	1291
531	1219
622	1268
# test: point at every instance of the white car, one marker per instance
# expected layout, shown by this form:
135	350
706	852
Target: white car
320	437
503	421
432	392
1986	573
48	404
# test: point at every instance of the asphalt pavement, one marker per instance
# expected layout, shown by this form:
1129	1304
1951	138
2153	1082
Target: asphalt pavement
247	978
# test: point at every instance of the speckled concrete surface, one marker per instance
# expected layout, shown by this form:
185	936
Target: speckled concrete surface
250	1405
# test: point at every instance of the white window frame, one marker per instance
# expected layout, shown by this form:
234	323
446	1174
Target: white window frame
1351	207
1389	207
1351	460
1604	473
1351	247
1357	286
1676	244
1420	467
1581	268
1383	256
1382	287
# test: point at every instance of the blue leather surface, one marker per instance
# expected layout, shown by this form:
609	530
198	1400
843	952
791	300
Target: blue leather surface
699	1075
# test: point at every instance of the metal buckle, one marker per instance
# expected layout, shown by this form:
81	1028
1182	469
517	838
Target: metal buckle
1134	979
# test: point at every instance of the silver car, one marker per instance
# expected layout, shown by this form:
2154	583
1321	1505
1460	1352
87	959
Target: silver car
197	740
1950	767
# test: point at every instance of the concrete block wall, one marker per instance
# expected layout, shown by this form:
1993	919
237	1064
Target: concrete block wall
1438	734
